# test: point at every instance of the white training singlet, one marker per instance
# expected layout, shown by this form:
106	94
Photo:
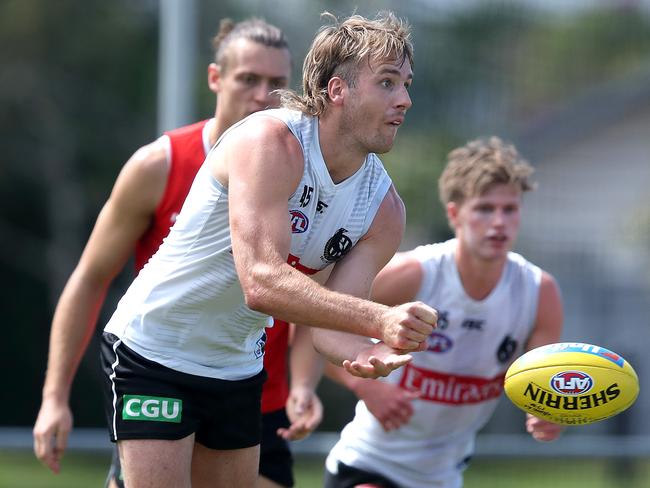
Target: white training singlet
460	376
186	310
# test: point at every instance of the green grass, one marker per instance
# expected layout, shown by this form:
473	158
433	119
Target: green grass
21	470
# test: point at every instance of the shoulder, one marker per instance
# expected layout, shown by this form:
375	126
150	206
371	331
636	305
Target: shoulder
548	285
150	160
550	314
405	264
392	209
525	268
266	134
143	179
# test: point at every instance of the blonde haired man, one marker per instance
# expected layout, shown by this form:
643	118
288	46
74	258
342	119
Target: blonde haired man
251	61
492	304
282	195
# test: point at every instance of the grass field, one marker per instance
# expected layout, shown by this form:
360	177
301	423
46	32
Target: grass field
21	470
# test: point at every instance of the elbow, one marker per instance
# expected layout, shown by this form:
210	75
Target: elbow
258	295
255	300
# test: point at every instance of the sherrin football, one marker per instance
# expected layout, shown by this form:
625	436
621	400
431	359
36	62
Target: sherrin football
571	383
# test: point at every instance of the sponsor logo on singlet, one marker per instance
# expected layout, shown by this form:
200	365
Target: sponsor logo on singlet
451	389
472	324
321	206
150	408
571	382
299	222
259	346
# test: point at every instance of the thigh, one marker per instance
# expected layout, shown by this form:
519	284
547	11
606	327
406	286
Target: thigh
276	462
115	478
219	468
157	463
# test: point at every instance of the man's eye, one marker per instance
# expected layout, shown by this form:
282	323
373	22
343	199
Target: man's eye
249	79
387	83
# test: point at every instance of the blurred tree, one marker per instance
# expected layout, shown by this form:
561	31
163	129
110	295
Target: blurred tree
77	89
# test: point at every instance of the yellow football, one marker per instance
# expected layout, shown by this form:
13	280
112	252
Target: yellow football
571	383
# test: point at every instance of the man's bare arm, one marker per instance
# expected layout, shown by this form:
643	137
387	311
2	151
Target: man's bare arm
123	219
263	164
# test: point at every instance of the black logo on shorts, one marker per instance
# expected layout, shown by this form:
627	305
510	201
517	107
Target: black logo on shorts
337	247
506	349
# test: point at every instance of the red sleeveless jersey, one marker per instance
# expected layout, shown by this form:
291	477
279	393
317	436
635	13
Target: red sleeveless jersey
187	156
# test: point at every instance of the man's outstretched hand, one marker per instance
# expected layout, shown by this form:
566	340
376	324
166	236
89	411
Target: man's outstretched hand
376	360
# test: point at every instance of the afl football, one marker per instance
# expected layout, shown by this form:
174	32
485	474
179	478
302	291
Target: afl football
571	383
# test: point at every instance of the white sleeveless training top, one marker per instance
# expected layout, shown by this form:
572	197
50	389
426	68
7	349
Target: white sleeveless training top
460	376
186	310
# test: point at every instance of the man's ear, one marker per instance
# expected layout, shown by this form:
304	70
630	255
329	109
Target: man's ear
452	209
214	77
337	90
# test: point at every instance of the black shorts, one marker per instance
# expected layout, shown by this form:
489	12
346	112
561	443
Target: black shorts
145	400
276	462
349	477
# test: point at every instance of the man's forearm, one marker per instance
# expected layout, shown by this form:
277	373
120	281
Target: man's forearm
72	328
339	346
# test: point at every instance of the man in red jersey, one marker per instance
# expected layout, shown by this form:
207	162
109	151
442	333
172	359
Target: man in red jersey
251	60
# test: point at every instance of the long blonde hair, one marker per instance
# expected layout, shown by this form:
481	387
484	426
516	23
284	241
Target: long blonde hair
339	50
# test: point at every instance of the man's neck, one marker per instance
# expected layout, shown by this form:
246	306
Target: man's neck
342	158
217	128
478	276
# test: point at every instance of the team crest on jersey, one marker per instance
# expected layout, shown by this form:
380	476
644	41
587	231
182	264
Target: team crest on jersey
506	349
337	246
299	222
438	342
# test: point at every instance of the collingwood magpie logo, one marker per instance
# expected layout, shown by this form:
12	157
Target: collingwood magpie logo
506	349
337	246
